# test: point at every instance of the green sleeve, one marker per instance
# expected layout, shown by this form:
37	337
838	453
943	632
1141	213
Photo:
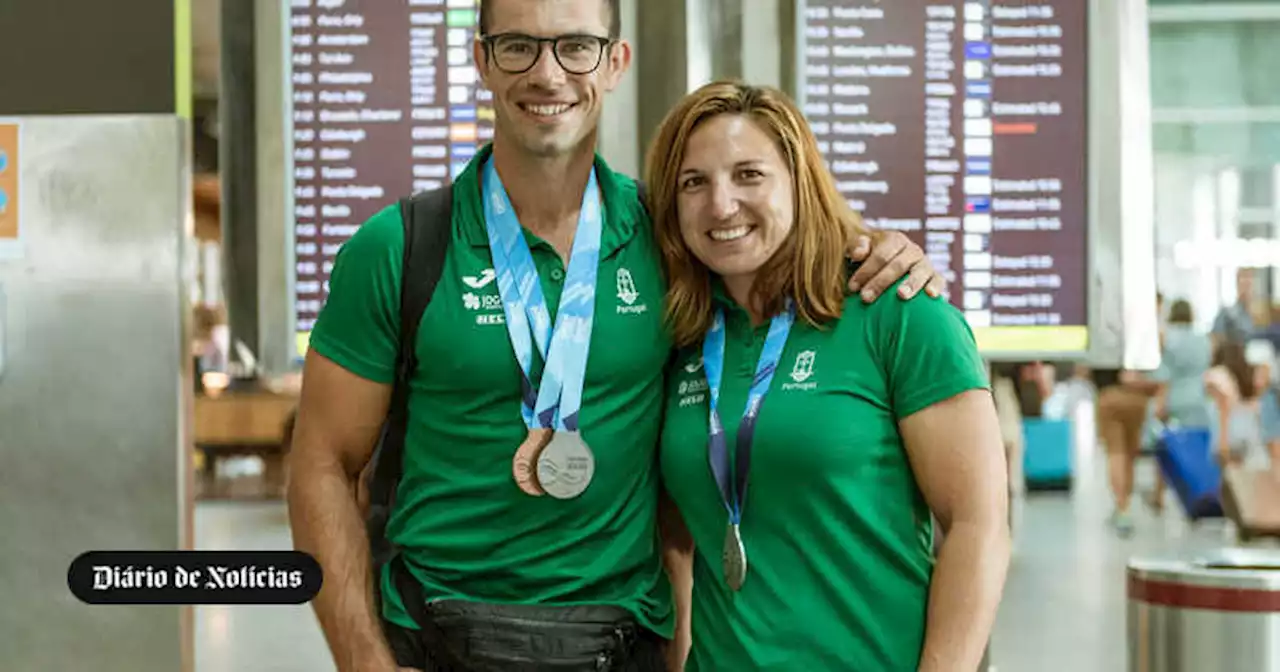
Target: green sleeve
359	326
927	351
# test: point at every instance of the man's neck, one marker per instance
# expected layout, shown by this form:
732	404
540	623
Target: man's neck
546	192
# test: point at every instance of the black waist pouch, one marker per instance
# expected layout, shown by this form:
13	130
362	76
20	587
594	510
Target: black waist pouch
461	636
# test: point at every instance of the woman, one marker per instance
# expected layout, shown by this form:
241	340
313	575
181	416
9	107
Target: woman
1180	399
1233	386
877	416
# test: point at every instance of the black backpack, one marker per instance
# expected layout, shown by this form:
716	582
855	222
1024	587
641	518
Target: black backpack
428	224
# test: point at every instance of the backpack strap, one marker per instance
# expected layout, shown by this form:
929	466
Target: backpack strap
642	195
428	223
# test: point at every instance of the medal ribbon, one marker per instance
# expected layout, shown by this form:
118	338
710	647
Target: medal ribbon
734	493
555	403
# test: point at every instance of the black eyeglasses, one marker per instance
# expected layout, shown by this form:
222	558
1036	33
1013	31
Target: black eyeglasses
514	53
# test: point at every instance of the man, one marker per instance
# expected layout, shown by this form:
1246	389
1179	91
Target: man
1235	323
474	525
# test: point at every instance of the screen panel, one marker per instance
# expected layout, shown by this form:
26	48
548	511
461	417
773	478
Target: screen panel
386	101
965	125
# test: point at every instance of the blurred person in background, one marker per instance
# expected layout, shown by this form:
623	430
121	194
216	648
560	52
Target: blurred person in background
1269	424
1182	398
1232	384
1004	394
881	415
1236	323
1124	402
210	347
1129	401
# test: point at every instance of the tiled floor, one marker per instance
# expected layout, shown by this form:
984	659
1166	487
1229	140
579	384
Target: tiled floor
1064	607
253	638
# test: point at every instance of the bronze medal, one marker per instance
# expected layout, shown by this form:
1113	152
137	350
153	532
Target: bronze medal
524	464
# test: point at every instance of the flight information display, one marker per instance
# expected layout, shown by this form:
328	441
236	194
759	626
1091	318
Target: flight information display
964	125
386	102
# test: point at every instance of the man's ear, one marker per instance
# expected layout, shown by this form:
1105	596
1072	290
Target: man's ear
479	57
618	59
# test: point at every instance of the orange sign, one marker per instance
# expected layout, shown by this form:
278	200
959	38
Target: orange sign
8	182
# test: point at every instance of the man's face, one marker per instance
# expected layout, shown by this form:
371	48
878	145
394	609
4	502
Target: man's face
1244	285
552	107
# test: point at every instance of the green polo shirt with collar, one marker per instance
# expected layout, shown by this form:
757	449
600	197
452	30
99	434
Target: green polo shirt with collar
837	534
467	530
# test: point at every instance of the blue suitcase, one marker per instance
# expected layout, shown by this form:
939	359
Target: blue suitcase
1046	462
1186	460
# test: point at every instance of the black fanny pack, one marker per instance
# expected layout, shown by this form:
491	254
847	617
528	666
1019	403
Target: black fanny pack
467	636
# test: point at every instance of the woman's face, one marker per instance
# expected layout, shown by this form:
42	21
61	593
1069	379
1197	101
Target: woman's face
735	198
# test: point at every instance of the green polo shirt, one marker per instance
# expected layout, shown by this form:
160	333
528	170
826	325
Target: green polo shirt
467	529
837	533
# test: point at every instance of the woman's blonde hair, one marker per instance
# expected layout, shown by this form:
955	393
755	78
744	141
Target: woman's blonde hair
809	265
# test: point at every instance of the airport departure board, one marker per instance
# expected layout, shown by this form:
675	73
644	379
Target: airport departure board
386	102
964	125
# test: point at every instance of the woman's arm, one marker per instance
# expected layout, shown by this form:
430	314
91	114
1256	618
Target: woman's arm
1216	387
677	556
955	451
1162	403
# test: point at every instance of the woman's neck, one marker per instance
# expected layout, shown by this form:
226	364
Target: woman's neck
739	288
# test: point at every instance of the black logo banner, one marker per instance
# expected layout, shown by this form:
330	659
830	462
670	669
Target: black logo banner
194	577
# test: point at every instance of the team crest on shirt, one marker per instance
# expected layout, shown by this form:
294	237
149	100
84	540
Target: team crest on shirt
628	294
802	372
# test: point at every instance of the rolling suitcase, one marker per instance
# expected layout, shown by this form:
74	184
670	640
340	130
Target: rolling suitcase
1251	500
1186	460
1047	454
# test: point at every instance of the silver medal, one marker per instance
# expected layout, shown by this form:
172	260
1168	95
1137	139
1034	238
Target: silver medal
566	466
734	558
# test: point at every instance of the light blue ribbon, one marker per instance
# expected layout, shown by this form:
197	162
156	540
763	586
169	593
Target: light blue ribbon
555	403
734	493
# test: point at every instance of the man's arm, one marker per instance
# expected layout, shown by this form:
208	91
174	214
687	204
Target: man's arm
955	451
887	260
677	556
339	420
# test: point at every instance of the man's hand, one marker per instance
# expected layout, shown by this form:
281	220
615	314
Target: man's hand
889	260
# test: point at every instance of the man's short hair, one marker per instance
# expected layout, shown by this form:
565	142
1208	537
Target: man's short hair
613	6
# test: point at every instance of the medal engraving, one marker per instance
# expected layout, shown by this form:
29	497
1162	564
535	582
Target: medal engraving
522	465
734	558
566	466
